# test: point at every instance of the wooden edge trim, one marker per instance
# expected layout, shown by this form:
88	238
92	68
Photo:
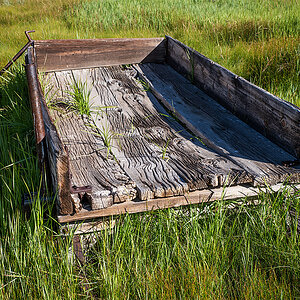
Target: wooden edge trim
282	129
115	40
197	197
59	55
57	160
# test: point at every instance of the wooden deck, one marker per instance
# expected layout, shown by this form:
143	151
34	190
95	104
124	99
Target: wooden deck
156	140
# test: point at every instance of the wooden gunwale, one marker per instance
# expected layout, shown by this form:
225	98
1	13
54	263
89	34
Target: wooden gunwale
275	118
55	157
77	54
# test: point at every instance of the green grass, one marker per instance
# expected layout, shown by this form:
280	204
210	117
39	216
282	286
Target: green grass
208	251
258	40
80	97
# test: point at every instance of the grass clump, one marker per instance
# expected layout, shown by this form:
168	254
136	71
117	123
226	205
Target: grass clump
33	259
207	252
80	97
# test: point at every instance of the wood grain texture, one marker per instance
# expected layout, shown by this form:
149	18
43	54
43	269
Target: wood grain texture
55	55
89	163
234	192
217	127
53	153
275	118
139	157
146	130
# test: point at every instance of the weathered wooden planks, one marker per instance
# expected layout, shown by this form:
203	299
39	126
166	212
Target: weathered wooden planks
89	164
275	118
137	156
55	55
174	163
218	128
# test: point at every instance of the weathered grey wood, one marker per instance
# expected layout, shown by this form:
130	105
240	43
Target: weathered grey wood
140	206
140	158
89	164
55	55
142	125
275	118
218	128
229	193
58	162
54	155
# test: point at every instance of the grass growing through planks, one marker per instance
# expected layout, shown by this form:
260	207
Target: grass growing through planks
106	134
80	97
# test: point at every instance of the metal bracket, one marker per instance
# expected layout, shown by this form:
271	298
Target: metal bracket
29	43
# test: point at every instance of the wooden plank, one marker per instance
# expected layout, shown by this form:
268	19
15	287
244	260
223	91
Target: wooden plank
89	164
140	158
219	129
143	124
140	206
196	197
55	55
275	118
55	156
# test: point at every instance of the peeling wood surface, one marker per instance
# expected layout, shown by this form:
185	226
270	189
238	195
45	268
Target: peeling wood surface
218	128
55	55
275	118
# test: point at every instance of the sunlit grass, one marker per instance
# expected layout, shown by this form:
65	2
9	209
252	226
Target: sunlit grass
259	40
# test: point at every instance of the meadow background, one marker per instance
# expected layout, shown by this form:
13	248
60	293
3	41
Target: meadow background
207	252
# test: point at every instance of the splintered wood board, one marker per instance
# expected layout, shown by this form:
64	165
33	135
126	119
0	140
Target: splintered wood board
151	154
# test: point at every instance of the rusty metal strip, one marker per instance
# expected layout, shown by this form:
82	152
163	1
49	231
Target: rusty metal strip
29	43
34	95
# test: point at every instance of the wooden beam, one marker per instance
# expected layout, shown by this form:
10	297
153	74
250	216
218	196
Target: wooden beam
275	118
55	55
56	155
197	197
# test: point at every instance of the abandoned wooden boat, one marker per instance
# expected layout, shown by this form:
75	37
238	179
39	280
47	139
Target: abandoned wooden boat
130	125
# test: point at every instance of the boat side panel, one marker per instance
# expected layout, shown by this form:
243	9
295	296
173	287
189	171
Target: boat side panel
275	118
56	55
54	155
